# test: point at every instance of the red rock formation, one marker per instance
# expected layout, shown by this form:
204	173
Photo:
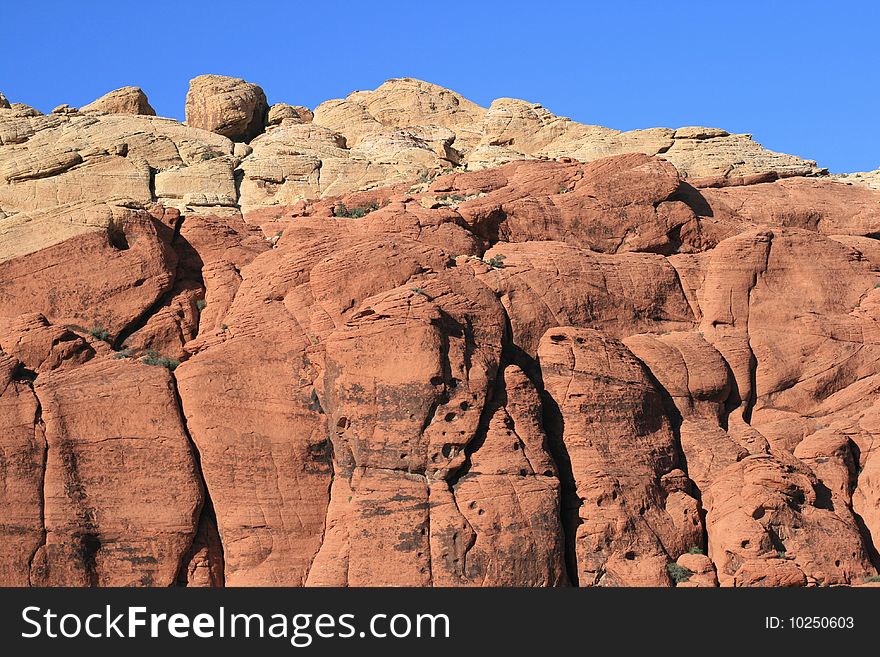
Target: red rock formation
102	279
541	374
24	453
631	510
109	467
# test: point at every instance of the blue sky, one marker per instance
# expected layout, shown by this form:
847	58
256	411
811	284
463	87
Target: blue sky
802	76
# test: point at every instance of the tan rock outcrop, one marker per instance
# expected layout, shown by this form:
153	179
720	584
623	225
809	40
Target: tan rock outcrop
281	112
870	179
127	100
228	106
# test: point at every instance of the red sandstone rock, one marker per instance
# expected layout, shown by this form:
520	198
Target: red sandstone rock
546	284
633	512
21	494
615	204
121	495
103	279
541	374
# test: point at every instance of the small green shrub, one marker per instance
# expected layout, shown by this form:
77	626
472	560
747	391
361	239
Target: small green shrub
496	262
201	303
100	333
152	358
354	213
679	573
873	578
224	328
124	353
696	550
419	290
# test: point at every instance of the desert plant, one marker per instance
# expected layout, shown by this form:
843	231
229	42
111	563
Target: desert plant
100	333
354	213
124	353
201	303
224	328
419	290
696	550
679	573
152	358
873	578
496	262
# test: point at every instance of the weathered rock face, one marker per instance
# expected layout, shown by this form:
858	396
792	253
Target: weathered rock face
870	179
228	106
631	511
24	453
103	279
406	131
127	100
574	357
107	471
281	112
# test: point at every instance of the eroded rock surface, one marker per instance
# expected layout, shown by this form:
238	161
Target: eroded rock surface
407	340
228	106
127	100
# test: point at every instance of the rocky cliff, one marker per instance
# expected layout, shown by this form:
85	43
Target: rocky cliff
401	339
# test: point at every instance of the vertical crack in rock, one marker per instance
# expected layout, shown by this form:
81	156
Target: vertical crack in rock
569	502
551	423
428	530
868	540
332	465
206	517
675	421
152	180
40	438
748	404
237	178
87	542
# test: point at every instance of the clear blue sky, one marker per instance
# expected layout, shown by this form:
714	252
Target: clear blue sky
802	76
